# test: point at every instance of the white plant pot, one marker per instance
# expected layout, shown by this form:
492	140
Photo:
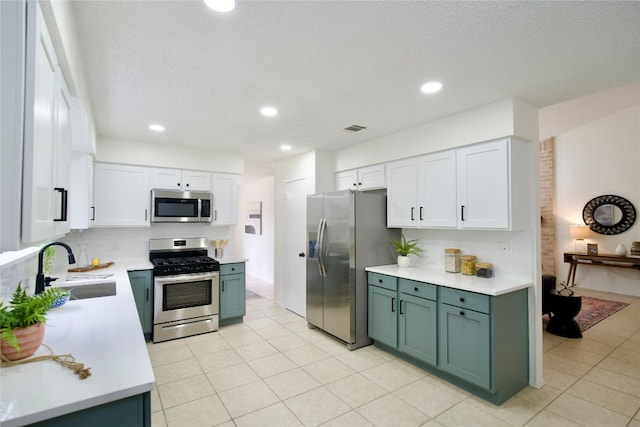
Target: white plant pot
403	261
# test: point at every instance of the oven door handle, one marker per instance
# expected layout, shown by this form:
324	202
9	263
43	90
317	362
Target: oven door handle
184	278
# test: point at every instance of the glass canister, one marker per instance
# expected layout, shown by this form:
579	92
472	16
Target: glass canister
468	264
484	269
452	260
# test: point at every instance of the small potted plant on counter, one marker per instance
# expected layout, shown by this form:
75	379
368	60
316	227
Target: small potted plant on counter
404	248
22	322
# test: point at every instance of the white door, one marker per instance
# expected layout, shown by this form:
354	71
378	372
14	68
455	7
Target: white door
295	274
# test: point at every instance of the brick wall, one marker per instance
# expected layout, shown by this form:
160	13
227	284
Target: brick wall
547	207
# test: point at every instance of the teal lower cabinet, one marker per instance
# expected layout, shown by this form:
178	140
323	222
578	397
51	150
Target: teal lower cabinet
382	315
418	320
464	344
142	288
401	317
232	293
478	342
131	411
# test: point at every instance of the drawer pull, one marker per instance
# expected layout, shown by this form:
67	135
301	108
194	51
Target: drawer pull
461	299
379	280
415	289
462	313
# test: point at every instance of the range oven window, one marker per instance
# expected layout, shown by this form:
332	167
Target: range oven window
167	207
187	294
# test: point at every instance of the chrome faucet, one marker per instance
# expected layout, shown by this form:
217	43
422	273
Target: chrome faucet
41	281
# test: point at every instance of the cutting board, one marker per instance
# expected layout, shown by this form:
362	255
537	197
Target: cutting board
90	268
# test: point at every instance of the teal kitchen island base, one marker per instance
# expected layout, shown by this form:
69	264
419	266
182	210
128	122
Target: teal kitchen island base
132	411
479	342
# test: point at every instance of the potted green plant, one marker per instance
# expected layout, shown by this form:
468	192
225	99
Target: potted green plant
22	322
404	248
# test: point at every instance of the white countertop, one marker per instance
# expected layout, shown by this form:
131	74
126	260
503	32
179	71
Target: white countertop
492	286
231	260
103	333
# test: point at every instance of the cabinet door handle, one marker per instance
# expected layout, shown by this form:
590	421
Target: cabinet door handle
359	183
355	185
187	184
222	286
93	213
401	307
412	209
393	305
178	184
215	215
145	214
462	212
63	203
147	294
421	209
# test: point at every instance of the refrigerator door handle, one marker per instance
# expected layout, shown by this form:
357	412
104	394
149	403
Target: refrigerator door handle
322	247
319	255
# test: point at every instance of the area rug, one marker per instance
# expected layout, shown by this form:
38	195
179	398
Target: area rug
593	311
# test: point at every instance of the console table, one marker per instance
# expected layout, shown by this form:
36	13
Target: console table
606	260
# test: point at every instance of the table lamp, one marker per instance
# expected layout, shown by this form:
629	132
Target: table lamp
579	233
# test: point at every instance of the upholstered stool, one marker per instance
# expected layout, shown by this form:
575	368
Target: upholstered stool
564	307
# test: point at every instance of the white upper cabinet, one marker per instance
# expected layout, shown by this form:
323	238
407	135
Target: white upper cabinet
81	208
402	193
491	185
47	137
437	205
367	178
180	179
481	186
225	199
121	196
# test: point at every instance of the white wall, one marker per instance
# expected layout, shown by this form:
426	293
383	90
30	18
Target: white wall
316	169
596	158
113	150
258	250
507	117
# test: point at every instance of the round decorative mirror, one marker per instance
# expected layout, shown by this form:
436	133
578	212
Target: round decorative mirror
609	214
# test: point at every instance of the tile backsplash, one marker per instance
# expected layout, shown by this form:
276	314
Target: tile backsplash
18	267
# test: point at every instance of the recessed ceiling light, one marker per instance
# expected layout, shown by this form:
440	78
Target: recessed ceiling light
221	5
431	87
285	147
156	128
269	111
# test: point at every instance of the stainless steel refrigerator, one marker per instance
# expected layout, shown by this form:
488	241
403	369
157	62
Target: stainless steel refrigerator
346	232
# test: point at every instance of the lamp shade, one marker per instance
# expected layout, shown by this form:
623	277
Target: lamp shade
579	232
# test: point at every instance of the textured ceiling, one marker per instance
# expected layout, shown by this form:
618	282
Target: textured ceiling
330	64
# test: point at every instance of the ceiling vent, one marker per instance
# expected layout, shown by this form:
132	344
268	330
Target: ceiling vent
354	128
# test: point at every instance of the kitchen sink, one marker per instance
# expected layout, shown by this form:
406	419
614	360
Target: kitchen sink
92	290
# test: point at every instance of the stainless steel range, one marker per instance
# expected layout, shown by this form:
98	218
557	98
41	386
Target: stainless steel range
185	285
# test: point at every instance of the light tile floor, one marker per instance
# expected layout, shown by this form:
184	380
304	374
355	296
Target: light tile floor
272	370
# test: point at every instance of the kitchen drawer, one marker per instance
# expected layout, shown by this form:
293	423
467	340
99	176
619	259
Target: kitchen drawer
465	299
419	289
383	281
235	268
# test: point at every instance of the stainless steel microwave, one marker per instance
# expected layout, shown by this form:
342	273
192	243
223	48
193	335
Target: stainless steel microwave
180	206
